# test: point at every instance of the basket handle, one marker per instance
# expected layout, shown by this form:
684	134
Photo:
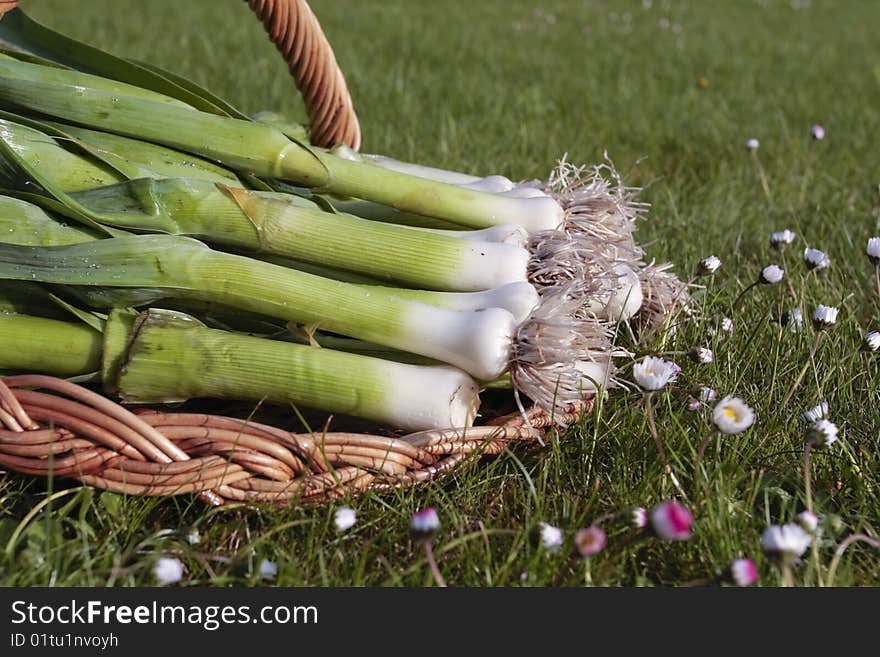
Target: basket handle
295	30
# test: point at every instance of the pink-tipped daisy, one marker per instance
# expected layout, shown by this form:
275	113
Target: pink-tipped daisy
743	572
424	523
671	521
639	517
701	355
808	521
589	541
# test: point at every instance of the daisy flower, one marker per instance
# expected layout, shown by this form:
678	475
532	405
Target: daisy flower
671	521
816	259
589	541
873	250
551	537
638	517
708	266
743	572
825	317
268	570
782	238
785	543
872	341
654	373
771	274
816	413
701	355
344	518
822	434
168	570
808	521
794	318
817	132
425	522
732	415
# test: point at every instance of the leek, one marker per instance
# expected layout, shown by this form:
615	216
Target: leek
39	344
478	342
255	148
273	223
172	357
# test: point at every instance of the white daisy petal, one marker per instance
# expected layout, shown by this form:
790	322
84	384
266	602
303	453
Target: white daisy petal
873	250
786	542
344	518
551	537
732	415
816	259
771	274
782	238
825	317
816	413
654	373
708	266
168	570
823	433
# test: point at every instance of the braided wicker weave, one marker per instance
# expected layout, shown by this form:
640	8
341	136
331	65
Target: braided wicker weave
52	426
102	444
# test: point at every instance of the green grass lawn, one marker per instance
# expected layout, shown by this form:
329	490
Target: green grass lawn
507	86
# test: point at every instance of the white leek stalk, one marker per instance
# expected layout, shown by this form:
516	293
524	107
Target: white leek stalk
166	356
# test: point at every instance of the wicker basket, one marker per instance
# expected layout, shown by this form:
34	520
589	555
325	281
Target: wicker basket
52	426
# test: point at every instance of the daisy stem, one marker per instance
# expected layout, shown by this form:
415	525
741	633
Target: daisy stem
803	372
761	174
432	564
791	289
649	411
877	278
741	295
808	488
849	540
787	580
